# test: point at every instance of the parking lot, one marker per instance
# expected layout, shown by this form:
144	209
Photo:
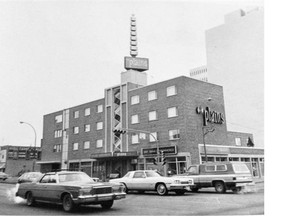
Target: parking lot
205	202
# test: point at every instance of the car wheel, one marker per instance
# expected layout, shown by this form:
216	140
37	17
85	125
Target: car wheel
236	190
30	199
67	203
125	188
107	204
161	189
220	187
180	192
195	189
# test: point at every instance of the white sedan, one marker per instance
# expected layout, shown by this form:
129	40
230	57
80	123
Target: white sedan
150	180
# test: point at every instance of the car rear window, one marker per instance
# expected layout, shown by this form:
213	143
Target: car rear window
240	168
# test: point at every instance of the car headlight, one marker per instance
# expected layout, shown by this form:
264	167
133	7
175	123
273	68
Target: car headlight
84	191
177	182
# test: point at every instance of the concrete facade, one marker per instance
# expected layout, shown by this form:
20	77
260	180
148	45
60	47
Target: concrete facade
235	60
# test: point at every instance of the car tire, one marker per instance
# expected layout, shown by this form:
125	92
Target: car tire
30	200
107	204
67	203
180	192
236	190
161	189
125	188
220	187
195	189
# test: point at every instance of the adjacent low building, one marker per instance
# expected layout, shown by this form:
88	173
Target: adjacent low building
14	159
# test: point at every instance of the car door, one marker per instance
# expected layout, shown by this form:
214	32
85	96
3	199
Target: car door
137	181
45	189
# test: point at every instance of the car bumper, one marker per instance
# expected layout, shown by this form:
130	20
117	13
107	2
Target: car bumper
181	187
98	198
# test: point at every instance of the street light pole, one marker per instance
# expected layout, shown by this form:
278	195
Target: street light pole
35	136
204	134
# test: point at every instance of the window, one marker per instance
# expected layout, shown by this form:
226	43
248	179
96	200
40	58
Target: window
139	175
174	134
171	90
86	144
135	99
152	115
58	118
238	141
87	112
87	128
75	130
134	119
152	95
221	167
135	138
99	125
210	168
76	114
57	148
99	143
172	112
57	133
100	108
75	146
153	137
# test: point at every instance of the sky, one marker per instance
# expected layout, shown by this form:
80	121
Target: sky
59	54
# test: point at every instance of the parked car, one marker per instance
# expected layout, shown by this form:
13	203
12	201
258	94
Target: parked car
222	176
3	176
30	177
149	180
70	189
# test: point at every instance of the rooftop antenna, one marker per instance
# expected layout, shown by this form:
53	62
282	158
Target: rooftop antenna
133	37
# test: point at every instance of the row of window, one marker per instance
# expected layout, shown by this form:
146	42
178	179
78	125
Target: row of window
87	128
152	95
75	146
135	138
76	114
153	137
152	115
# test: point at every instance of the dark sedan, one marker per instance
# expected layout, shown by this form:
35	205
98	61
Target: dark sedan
70	189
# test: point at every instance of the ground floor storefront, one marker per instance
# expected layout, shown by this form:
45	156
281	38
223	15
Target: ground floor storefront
170	161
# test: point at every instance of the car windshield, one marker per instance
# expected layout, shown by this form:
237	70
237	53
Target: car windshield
152	174
72	177
240	168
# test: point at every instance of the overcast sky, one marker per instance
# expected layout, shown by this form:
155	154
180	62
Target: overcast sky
59	54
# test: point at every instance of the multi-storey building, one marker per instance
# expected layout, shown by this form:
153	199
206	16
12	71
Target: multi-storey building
181	118
199	73
235	60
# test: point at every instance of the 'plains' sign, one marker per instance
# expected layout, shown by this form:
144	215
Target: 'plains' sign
140	64
210	116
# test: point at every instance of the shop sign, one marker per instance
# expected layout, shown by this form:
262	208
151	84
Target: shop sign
114	154
210	116
101	155
166	150
140	64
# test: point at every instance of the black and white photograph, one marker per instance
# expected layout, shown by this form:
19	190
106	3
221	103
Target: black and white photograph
126	107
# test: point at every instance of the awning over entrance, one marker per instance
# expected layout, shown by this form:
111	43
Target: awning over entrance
114	155
48	162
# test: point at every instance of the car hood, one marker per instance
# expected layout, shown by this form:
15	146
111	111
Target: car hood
85	184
